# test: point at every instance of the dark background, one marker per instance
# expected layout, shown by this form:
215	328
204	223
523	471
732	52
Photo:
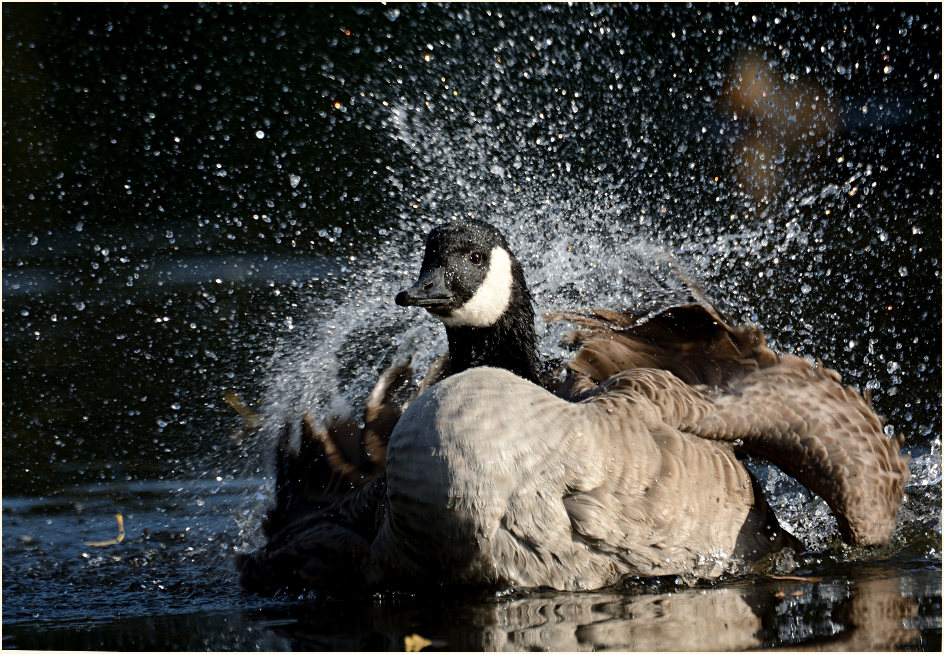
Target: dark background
135	188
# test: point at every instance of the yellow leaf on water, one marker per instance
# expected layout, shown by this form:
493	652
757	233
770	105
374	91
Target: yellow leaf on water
113	541
415	643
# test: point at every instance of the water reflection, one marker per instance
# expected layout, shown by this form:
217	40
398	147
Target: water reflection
875	616
170	584
850	610
716	619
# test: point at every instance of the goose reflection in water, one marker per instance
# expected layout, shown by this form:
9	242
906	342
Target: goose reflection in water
790	613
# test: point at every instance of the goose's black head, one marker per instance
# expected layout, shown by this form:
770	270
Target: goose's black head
467	278
472	282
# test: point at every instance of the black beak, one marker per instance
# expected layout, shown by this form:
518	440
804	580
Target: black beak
429	291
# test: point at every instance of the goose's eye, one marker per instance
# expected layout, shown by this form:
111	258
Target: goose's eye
476	258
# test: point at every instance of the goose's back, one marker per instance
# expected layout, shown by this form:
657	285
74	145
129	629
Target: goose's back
492	479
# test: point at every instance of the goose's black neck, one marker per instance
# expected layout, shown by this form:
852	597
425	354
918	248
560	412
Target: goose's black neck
510	343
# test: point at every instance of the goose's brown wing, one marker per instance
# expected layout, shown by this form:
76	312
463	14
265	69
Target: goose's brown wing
336	453
694	342
726	384
801	417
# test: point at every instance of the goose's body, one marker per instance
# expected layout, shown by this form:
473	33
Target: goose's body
628	467
611	490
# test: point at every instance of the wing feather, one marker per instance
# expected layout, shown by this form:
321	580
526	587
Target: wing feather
723	382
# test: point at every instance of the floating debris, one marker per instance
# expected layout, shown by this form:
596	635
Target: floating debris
113	541
415	643
251	418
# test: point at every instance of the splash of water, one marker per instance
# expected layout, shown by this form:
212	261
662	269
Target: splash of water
598	213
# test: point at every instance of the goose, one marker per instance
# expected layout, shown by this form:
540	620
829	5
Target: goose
495	472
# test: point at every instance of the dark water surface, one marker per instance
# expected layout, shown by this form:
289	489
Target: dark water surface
168	586
209	206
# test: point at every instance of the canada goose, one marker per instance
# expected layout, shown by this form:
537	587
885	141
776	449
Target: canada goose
627	467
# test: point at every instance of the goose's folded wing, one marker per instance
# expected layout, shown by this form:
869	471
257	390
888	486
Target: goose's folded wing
801	418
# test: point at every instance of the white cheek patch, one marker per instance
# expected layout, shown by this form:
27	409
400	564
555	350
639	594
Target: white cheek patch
490	300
